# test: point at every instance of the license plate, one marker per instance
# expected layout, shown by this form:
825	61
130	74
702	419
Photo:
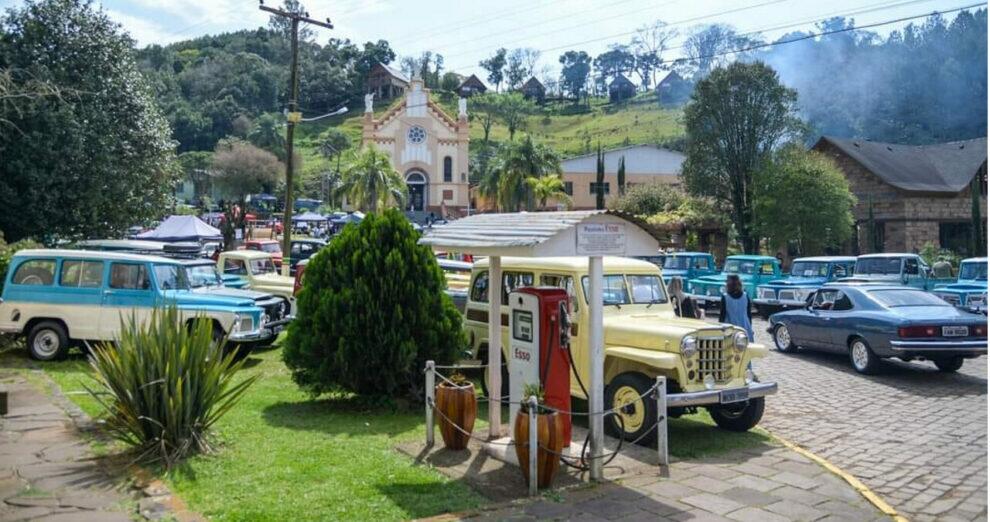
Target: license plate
955	331
736	395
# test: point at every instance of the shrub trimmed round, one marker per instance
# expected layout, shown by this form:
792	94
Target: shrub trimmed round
371	312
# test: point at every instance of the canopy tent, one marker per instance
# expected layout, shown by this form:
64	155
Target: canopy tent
591	233
349	218
264	197
308	217
182	228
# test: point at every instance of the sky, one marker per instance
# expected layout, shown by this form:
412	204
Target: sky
467	31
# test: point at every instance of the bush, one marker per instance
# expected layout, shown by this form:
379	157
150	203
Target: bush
7	251
371	313
649	199
164	385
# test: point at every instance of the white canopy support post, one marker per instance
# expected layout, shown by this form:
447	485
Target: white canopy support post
596	363
494	347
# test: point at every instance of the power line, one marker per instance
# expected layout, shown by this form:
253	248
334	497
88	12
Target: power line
486	18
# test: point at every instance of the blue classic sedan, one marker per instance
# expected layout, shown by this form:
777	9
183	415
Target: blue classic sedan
870	322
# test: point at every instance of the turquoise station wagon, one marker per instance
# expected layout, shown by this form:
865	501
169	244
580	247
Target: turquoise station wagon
753	270
61	298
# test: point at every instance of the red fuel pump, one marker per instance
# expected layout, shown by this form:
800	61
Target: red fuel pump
539	340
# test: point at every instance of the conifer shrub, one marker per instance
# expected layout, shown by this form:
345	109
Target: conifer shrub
371	312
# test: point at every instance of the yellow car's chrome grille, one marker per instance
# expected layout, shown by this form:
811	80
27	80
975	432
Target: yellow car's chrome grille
713	359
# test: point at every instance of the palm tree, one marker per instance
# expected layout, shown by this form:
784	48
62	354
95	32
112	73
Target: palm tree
547	188
369	181
517	162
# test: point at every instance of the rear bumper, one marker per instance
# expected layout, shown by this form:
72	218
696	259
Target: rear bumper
783	303
978	346
712	397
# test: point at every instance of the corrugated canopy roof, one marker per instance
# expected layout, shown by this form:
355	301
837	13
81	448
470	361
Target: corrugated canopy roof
942	167
535	234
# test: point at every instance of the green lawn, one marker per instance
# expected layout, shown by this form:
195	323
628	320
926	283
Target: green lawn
284	456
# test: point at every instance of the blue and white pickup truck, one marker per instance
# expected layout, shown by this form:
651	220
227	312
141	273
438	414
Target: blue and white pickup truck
688	266
895	269
970	289
753	270
62	298
808	274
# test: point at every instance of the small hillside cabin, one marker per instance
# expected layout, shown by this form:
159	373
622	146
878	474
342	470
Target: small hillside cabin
621	89
534	90
385	82
673	90
471	86
911	195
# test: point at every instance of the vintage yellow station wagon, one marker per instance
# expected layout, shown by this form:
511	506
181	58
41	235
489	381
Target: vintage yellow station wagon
706	364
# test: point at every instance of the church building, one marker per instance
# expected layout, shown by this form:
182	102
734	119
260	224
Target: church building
427	146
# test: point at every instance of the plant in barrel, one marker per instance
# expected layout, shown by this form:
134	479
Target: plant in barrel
549	437
458	408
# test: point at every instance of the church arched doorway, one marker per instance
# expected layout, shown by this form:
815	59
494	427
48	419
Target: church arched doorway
416	184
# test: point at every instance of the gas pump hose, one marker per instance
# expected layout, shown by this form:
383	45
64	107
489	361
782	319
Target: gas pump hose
584	465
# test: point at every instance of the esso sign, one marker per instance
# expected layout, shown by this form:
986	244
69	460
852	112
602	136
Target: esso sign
524	346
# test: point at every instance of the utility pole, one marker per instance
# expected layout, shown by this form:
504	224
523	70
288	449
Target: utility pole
293	117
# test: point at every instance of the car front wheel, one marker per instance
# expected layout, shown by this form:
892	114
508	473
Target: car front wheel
862	357
635	416
739	417
782	338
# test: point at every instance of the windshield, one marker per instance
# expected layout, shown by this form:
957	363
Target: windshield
203	275
677	262
738	266
271	248
973	270
809	269
646	288
171	277
907	297
262	266
878	265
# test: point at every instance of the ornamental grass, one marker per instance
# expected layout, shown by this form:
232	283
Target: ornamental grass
164	384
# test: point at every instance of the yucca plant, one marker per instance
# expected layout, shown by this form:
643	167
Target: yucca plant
164	384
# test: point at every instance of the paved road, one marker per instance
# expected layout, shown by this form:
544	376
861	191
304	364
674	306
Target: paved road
915	436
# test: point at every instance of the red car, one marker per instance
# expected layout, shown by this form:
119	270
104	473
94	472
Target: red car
270	246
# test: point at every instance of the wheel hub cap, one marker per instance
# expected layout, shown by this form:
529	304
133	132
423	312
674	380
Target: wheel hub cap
630	407
783	337
860	357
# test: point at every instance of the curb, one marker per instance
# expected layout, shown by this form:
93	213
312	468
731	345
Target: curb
857	484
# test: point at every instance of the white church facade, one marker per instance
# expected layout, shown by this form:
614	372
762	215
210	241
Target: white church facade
428	148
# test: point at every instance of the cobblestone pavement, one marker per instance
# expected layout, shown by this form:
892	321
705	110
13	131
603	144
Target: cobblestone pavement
915	436
46	471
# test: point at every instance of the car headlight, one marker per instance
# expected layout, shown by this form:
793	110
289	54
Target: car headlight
740	341
976	299
237	323
689	345
721	289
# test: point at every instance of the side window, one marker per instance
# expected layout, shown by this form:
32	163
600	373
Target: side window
128	276
825	299
295	249
565	282
839	271
766	269
35	272
842	303
234	266
81	274
701	263
911	266
479	290
513	280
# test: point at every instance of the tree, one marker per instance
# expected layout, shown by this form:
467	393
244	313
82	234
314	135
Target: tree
370	181
735	119
710	46
515	163
600	179
372	311
547	188
267	133
978	229
283	26
485	110
89	163
648	45
333	143
615	62
450	81
520	65
513	108
649	199
802	197
621	176
495	66
196	167
574	71
242	169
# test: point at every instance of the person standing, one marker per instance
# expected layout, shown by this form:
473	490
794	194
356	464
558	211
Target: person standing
736	308
683	305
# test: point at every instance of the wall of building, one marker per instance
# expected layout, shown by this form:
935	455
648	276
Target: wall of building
583	199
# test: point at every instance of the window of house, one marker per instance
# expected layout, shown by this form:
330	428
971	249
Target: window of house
955	236
593	188
448	195
81	274
35	272
448	169
181	187
569	188
129	276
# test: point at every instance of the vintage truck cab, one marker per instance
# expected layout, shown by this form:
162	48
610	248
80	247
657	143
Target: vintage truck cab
688	266
895	269
258	269
204	278
970	289
62	298
808	274
752	270
706	363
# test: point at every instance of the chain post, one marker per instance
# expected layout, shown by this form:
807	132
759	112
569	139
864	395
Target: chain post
430	401
533	447
661	392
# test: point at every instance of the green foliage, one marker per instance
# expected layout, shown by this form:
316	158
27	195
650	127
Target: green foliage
574	71
495	65
737	116
371	182
372	312
933	254
267	133
92	156
7	251
164	384
512	109
662	204
600	178
546	188
621	176
802	197
243	169
533	390
514	164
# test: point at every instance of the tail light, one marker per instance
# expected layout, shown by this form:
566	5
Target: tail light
979	330
918	331
297	284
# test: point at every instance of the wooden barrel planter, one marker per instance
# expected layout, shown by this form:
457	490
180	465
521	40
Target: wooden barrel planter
458	403
550	435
